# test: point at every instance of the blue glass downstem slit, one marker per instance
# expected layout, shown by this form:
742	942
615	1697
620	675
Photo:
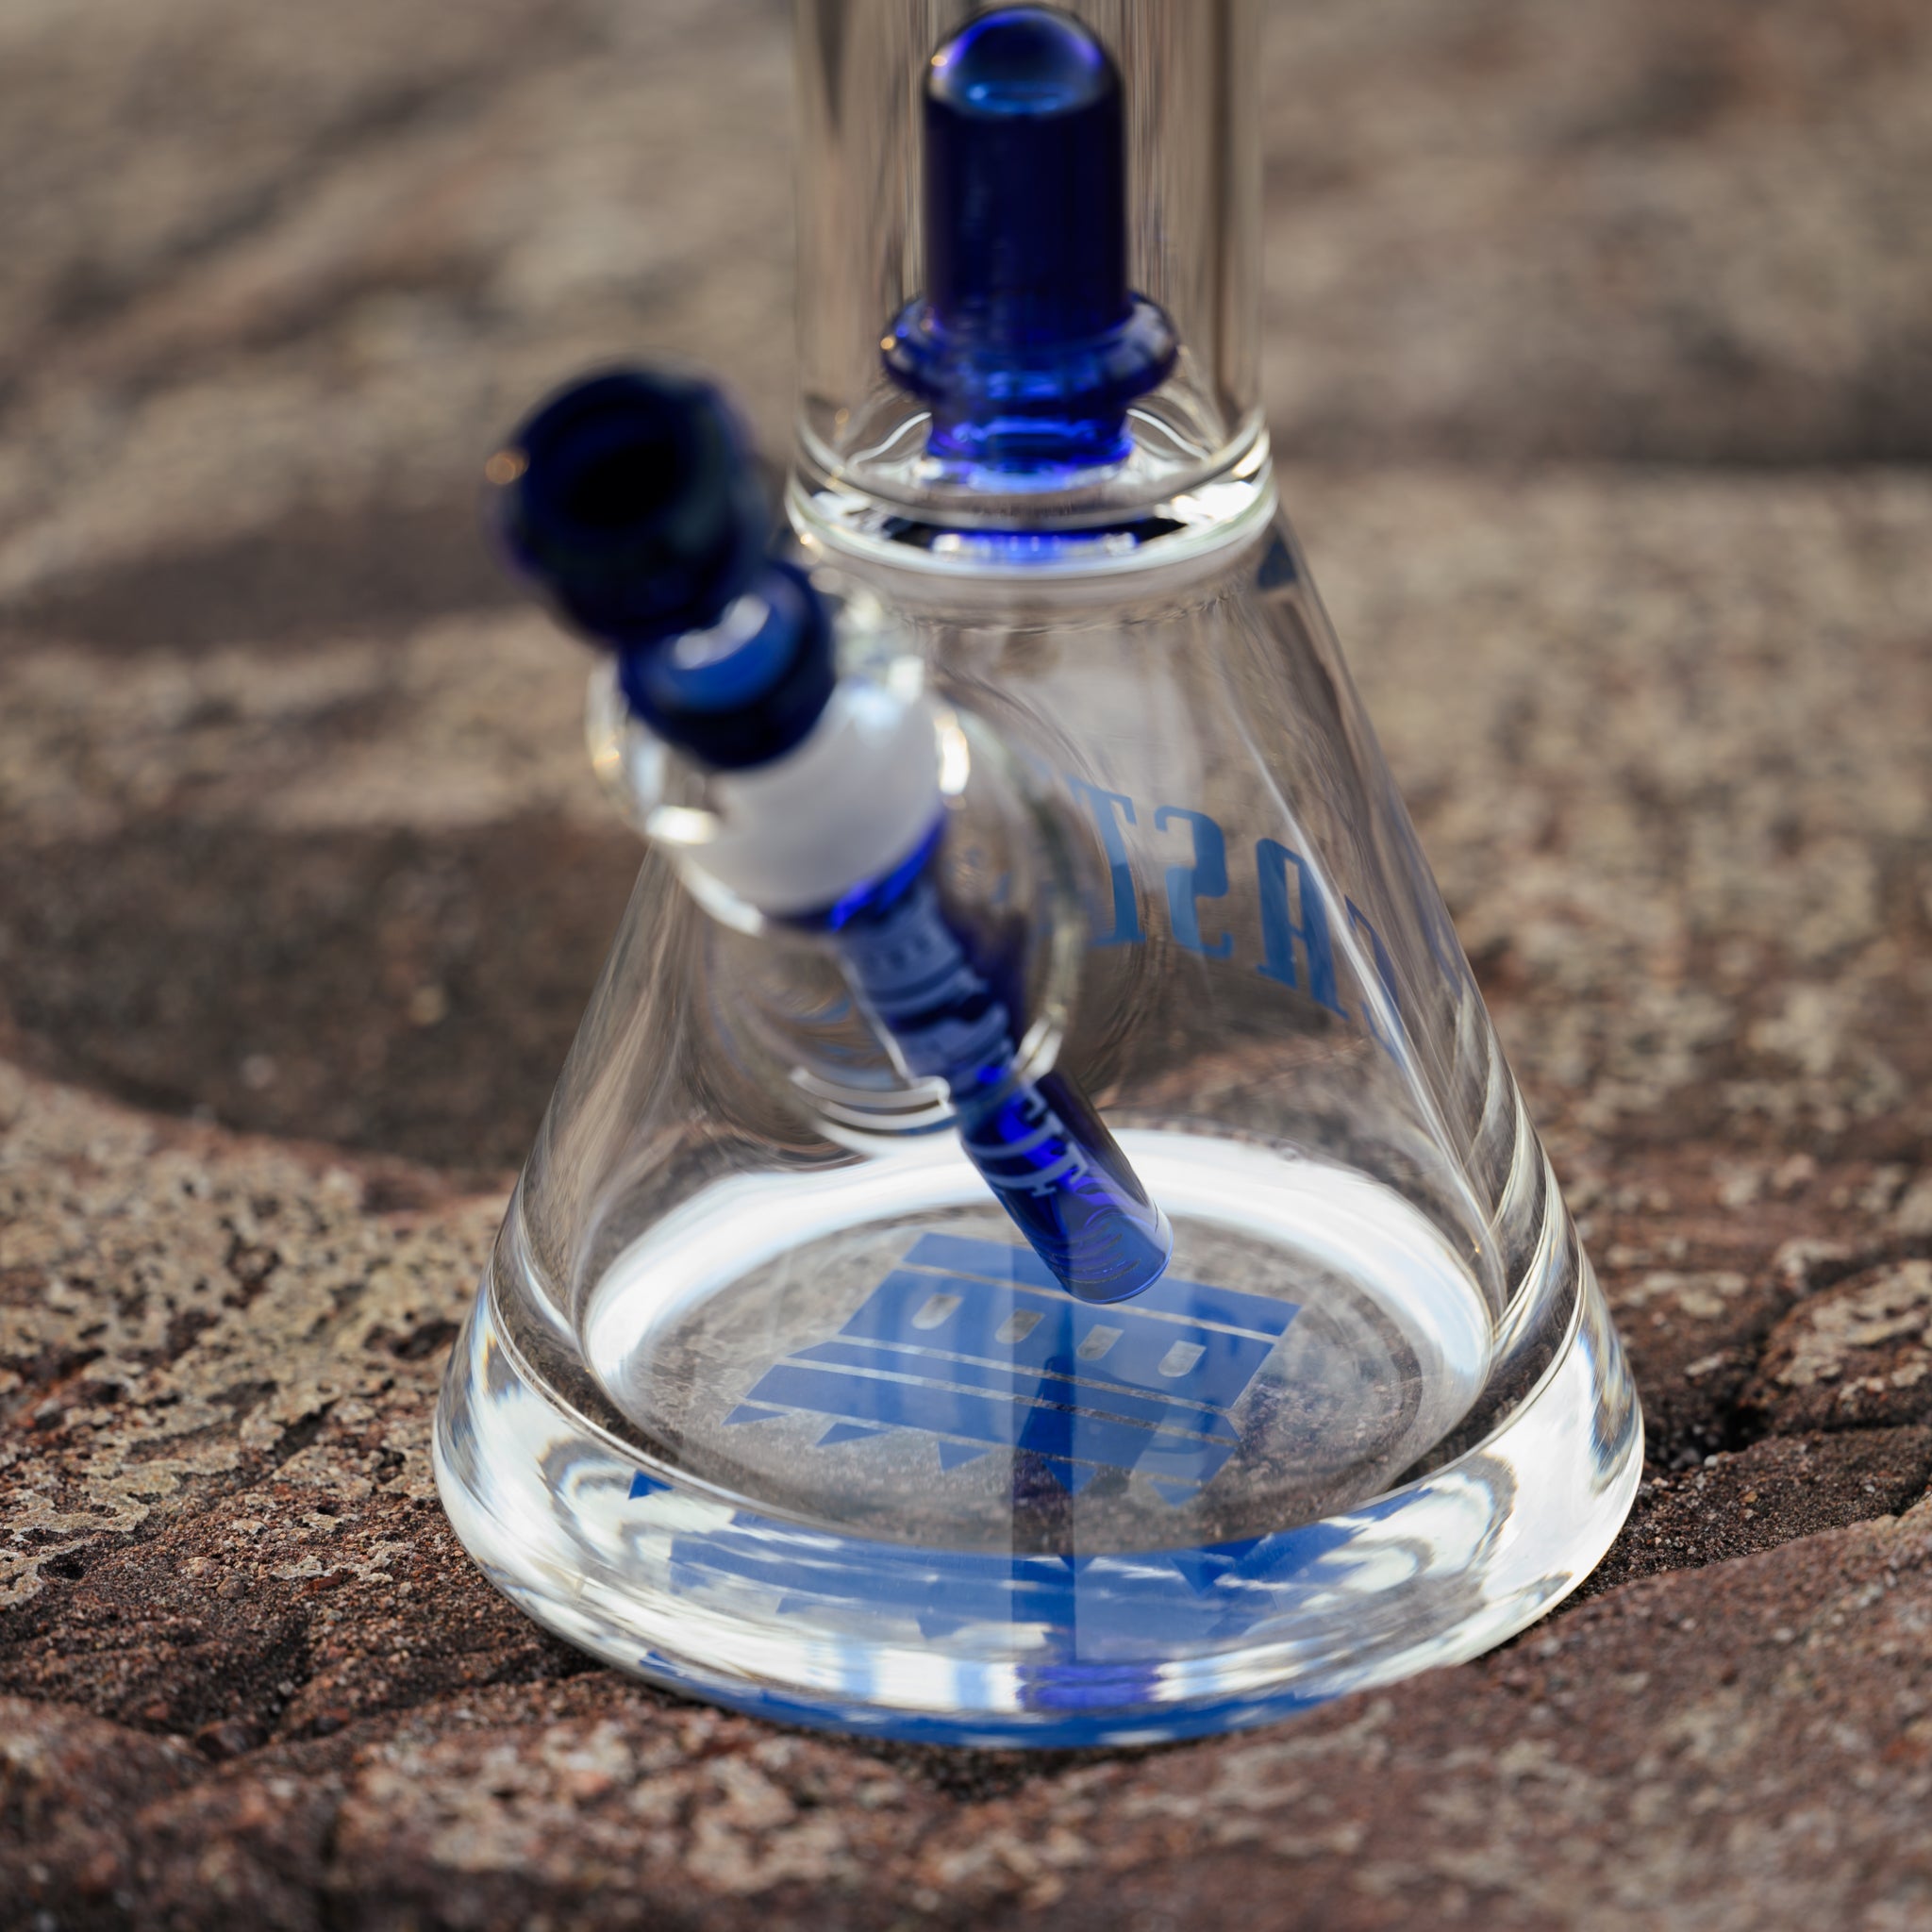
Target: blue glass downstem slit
1045	1153
630	500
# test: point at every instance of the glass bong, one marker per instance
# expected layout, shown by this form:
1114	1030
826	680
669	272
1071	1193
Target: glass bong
1035	1242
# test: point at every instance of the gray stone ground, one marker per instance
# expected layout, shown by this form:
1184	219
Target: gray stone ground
1599	345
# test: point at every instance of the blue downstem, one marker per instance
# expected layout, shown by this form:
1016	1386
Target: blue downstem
1043	1150
631	499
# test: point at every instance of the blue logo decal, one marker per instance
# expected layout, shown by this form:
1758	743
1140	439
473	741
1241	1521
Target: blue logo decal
976	1345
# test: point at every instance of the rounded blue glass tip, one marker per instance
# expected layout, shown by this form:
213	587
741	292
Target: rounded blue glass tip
1025	181
1027	341
633	502
1023	61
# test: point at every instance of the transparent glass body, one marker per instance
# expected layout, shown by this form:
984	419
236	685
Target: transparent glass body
763	1395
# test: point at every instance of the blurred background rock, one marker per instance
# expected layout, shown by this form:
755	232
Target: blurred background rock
275	277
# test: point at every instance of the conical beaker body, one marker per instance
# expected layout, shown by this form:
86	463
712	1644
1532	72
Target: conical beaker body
765	1396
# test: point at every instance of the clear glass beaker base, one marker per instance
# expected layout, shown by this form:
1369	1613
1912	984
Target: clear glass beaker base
872	1469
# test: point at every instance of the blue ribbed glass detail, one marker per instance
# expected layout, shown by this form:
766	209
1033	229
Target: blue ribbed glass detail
738	694
1027	343
633	502
1043	1150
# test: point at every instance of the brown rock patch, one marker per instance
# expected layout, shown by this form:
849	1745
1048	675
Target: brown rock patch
1858	1356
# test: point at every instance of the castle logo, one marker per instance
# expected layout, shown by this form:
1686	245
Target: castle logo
974	1344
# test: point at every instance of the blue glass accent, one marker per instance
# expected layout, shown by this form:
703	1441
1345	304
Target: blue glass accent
1087	1611
1053	1384
752	698
975	1344
633	502
1094	1615
1280	928
1187	1301
1028	342
1045	1153
1188	884
1104	806
993	546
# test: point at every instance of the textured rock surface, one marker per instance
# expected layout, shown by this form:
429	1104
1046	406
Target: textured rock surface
304	885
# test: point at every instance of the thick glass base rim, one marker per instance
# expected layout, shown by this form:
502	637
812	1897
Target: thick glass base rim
802	1628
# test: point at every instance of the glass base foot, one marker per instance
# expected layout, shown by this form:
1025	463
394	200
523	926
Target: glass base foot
1104	1601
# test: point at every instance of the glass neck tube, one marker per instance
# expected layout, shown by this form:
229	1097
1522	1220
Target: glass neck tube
1072	379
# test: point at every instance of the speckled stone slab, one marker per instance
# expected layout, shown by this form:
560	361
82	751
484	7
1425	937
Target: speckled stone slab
303	883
